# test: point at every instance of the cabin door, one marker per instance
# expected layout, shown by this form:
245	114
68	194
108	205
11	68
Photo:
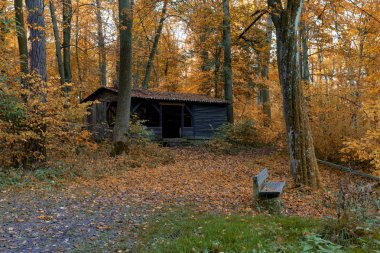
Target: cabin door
171	121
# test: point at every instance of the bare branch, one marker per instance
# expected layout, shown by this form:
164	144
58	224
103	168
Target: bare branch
262	12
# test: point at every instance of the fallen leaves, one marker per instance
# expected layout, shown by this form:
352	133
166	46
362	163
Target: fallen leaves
219	182
45	217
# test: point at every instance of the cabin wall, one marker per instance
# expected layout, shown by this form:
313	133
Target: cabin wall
97	120
188	132
207	118
157	131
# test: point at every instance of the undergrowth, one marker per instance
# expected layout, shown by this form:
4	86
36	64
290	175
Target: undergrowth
232	138
88	165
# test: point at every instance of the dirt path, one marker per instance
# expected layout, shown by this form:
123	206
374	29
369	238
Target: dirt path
66	220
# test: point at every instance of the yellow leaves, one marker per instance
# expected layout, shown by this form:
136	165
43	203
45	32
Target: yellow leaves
365	149
53	119
45	217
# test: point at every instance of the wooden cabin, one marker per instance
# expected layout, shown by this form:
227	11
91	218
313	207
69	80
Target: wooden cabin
167	114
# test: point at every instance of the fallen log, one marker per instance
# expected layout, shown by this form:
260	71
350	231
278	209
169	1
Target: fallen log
346	169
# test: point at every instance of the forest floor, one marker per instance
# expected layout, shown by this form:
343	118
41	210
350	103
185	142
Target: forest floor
97	211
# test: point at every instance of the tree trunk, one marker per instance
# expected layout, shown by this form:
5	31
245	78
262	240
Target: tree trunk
217	54
227	69
3	23
37	39
57	42
120	132
304	166
80	79
136	79
115	82
101	45
205	86
67	15
37	65
149	64
21	36
305	75
264	90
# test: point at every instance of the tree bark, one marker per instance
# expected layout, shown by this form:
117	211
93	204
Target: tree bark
304	168
37	65
120	132
21	36
3	24
149	64
37	39
227	69
67	15
305	75
264	90
101	45
217	54
57	42
136	79
205	86
80	78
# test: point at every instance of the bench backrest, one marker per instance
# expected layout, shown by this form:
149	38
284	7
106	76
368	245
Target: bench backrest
259	179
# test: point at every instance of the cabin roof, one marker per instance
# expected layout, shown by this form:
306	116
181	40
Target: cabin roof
108	94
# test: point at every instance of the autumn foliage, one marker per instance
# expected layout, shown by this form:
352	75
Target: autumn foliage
340	39
40	114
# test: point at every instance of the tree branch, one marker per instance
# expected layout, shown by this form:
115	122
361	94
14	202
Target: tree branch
262	12
366	12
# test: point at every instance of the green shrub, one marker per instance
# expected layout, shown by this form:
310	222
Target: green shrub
314	243
11	109
10	177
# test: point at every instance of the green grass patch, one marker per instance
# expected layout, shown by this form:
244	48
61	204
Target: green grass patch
186	231
50	177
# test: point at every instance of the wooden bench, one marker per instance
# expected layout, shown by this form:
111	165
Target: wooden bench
263	189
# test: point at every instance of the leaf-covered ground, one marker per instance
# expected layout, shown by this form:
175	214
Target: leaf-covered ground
223	183
100	211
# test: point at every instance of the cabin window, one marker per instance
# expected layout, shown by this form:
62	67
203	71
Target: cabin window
188	118
149	114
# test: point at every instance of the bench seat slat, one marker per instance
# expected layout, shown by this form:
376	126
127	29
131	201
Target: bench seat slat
272	187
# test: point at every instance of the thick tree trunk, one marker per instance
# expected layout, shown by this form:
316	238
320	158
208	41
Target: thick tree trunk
67	15
57	42
37	65
227	69
21	36
37	39
101	45
304	166
120	132
305	75
149	64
